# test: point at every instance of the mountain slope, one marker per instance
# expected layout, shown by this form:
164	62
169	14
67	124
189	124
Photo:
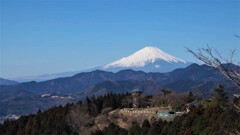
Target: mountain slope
198	79
148	59
86	80
7	82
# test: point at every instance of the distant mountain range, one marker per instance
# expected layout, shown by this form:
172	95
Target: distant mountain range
200	79
45	77
148	59
7	82
149	69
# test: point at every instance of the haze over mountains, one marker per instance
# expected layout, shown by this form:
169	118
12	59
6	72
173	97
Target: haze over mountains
148	59
7	82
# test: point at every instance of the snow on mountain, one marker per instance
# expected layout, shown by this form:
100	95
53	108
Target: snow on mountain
143	57
149	59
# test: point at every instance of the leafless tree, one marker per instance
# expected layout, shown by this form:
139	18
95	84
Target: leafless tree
165	92
79	120
214	58
227	66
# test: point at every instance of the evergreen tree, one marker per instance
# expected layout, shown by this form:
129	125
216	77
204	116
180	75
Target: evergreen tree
220	97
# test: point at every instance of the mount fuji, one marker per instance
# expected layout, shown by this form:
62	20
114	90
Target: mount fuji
148	59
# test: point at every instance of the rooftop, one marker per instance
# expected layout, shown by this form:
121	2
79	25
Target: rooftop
136	90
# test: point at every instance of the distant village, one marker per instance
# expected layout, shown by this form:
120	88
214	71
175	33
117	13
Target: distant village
47	95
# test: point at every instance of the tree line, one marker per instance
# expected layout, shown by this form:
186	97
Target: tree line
210	117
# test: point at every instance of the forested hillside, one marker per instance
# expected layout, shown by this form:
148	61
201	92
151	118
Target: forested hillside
214	116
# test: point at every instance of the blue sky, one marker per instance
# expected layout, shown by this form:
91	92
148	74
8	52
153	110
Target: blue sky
50	36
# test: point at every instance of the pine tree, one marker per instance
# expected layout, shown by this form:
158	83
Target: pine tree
220	97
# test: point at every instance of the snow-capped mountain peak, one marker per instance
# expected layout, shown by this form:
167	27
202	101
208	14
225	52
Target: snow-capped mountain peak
143	57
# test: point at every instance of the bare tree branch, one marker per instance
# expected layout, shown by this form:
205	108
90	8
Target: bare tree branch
215	59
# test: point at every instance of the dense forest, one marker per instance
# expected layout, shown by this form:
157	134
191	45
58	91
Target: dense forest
215	116
54	121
